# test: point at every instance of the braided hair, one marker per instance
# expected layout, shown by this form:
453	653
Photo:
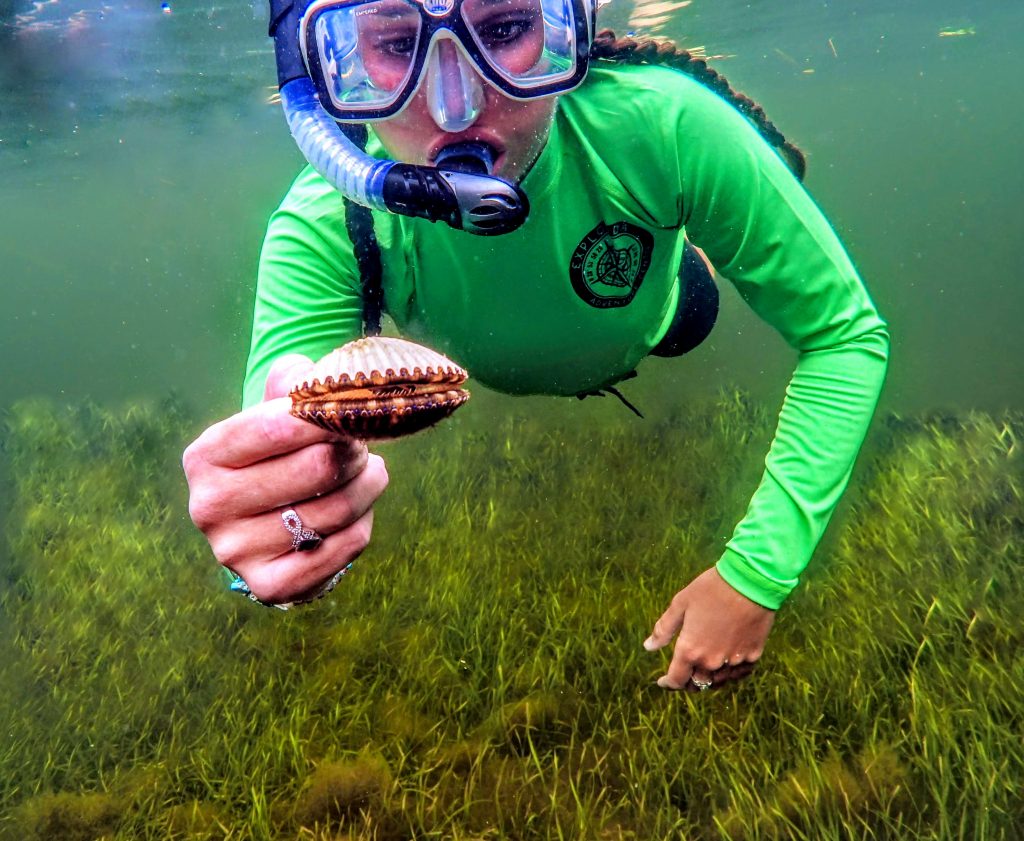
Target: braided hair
650	51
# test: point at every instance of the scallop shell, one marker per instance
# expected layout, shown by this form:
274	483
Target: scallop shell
380	387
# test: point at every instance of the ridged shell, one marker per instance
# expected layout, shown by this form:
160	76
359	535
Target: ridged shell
380	387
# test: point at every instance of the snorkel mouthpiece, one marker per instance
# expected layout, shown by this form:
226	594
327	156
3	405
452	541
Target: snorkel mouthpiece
476	202
480	204
468	156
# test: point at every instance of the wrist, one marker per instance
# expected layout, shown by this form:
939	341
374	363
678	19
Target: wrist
738	573
238	585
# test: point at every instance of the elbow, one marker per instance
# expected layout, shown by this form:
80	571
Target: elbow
870	335
880	341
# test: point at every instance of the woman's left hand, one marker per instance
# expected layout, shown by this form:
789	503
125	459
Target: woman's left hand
721	634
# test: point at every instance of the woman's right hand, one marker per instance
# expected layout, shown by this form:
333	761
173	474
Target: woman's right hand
244	471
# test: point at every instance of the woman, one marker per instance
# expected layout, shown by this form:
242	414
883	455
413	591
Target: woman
588	190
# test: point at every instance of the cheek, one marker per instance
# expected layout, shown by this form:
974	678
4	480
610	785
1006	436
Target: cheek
403	135
528	122
385	75
526	128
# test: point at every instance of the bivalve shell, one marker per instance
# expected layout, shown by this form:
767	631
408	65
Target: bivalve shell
380	387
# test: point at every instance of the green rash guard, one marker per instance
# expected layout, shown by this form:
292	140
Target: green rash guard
582	292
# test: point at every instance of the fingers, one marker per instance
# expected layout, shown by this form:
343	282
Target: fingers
734	673
313	471
701	676
689	671
299	574
286	372
246	470
259	548
668	624
700	680
703	655
719	633
258	433
263	537
694	665
263	458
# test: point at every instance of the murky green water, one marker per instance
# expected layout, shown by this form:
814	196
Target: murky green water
139	161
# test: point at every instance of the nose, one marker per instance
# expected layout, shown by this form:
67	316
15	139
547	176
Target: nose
455	93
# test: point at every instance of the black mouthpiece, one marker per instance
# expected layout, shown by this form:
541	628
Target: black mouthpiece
471	156
469	201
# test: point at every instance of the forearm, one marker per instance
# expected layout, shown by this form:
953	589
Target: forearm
824	419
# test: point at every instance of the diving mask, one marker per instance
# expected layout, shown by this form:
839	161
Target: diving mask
368	57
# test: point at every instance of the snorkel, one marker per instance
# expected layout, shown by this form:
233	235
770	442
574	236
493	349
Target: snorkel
458	193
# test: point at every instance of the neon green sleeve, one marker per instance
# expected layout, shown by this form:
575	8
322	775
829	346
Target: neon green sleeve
762	231
307	288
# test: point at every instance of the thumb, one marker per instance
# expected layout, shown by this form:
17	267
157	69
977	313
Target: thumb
667	626
287	372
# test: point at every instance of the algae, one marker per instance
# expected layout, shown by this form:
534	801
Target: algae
480	673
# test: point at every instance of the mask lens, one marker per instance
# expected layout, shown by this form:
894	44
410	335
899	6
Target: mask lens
530	42
366	52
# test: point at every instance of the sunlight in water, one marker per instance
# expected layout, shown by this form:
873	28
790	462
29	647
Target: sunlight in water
650	16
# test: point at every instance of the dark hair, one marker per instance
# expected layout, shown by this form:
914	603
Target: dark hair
650	51
359	224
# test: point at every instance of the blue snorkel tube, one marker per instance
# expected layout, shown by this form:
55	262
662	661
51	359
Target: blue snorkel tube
468	201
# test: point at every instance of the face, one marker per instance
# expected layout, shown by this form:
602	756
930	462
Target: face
372	52
517	130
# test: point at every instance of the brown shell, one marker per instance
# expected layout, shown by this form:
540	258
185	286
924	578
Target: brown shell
380	387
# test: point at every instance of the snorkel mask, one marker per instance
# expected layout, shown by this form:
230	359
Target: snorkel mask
357	61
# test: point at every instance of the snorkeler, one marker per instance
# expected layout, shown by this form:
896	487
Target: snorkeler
523	203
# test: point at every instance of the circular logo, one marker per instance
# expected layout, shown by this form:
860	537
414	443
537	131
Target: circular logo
438	8
609	264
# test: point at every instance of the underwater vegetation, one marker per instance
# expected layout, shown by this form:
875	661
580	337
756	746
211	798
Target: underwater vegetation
480	673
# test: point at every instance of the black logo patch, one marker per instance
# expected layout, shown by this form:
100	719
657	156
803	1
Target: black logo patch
609	264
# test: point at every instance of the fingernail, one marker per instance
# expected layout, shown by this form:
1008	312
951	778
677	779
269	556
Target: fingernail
650	644
665	683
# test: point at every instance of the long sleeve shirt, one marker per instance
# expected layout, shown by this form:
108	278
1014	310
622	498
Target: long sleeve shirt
637	158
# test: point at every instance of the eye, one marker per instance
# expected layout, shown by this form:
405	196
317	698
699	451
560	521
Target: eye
504	31
401	46
397	46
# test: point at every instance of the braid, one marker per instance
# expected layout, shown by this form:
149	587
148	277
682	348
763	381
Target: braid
649	51
359	224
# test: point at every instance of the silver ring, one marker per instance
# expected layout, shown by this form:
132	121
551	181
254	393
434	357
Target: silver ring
303	539
702	685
